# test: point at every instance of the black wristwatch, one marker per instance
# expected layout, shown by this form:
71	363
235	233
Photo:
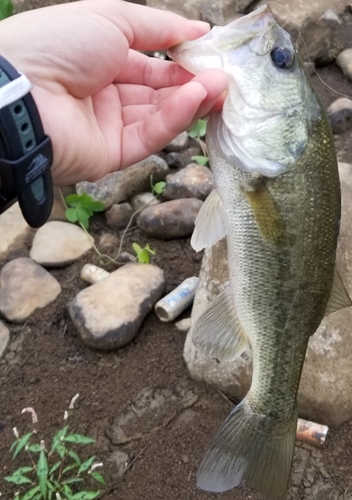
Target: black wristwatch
26	153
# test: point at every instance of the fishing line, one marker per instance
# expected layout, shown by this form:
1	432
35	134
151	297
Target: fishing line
306	48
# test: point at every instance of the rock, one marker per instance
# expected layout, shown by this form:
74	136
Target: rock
58	244
184	325
320	42
126	257
295	14
212	13
184	158
344	62
331	16
13	229
119	215
109	314
25	287
4	338
193	181
172	219
143	200
59	208
178	144
340	115
121	186
324	392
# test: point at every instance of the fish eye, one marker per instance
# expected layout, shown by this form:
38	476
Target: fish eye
283	58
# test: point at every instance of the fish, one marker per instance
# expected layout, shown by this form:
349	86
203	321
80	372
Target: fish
277	201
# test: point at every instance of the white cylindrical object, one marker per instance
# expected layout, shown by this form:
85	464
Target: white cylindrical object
92	274
171	306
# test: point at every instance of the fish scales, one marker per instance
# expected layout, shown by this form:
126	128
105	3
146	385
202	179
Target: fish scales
277	200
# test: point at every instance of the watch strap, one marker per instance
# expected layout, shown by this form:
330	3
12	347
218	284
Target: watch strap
25	151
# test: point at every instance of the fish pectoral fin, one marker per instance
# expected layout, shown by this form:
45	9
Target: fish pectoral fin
210	223
266	214
218	332
253	448
339	298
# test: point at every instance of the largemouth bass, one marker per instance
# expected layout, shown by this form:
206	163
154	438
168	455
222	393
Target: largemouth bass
277	199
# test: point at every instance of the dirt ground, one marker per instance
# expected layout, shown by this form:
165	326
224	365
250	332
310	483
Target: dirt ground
150	421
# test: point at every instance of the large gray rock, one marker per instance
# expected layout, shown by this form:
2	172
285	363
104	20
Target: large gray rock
121	186
25	287
13	229
325	389
109	313
193	181
169	220
4	338
58	244
319	40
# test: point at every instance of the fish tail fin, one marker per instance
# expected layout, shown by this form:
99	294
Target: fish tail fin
253	448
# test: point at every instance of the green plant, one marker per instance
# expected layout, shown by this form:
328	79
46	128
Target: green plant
143	254
201	160
198	130
158	187
6	9
54	473
82	206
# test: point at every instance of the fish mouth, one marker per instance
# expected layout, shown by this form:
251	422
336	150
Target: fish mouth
206	52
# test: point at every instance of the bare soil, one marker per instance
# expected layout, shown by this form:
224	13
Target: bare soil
150	421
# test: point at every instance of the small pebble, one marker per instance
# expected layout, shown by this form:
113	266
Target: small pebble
340	115
178	144
193	181
119	215
344	62
184	325
169	220
142	200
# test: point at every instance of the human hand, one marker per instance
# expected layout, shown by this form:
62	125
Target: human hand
105	105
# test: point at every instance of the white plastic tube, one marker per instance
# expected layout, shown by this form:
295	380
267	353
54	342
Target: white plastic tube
172	305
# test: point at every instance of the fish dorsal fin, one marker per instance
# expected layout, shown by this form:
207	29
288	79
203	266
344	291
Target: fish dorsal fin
218	332
339	298
210	223
267	215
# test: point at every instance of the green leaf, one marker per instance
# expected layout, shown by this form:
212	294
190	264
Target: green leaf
149	250
42	472
17	479
198	130
67	491
30	493
74	200
74	456
79	439
71	214
73	480
34	448
83	217
58	438
6	9
85	495
51	486
22	443
94	206
61	450
144	257
85	466
98	477
69	467
159	187
23	470
54	467
201	160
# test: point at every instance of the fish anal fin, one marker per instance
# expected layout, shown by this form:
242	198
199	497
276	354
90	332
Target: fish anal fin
339	298
210	224
266	214
253	448
218	332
